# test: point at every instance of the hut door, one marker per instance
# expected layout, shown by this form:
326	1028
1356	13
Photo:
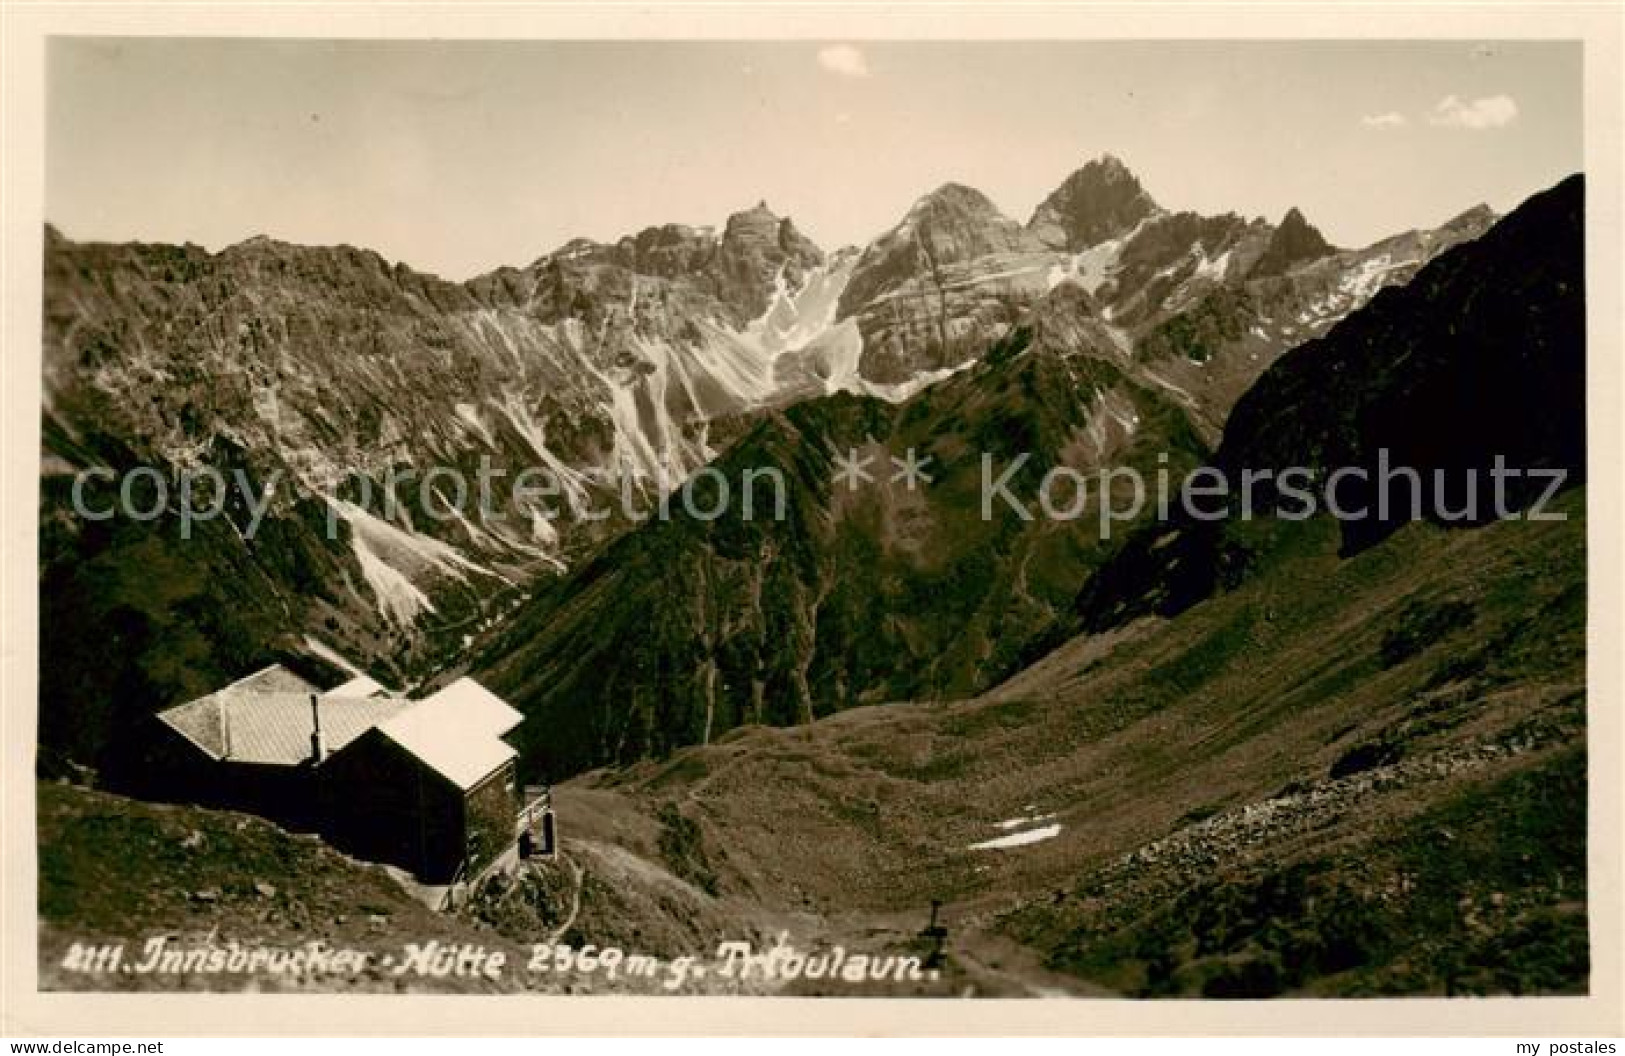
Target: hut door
549	841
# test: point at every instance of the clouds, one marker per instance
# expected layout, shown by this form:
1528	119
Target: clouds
1492	111
1474	115
843	60
1382	122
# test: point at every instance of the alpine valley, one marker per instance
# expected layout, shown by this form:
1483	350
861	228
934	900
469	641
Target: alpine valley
1181	758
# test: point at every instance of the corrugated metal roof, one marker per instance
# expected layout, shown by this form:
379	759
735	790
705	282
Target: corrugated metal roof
457	731
273	679
274	728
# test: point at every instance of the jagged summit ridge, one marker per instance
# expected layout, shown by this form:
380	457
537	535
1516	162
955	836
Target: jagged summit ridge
1295	241
926	294
1100	201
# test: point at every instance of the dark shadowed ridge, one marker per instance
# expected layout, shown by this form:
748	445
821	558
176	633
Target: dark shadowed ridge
1481	355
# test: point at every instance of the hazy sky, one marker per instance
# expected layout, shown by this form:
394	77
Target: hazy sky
458	157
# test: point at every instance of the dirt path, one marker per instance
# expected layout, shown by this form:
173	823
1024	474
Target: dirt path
575	905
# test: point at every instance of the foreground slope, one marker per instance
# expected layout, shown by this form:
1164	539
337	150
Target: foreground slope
117	871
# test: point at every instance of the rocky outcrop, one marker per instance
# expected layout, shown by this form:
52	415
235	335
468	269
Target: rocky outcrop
1101	201
757	255
930	293
1295	241
759	250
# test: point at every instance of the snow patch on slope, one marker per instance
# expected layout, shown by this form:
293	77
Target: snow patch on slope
572	482
394	561
398	598
1018	839
333	656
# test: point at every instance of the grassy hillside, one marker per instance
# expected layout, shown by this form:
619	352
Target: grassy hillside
1350	775
118	871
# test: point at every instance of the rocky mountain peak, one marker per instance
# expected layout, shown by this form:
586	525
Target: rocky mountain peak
1478	218
952	225
761	226
757	248
257	246
957	197
739	268
758	218
1101	201
1295	241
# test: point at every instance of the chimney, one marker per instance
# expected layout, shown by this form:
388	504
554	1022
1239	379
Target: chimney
318	750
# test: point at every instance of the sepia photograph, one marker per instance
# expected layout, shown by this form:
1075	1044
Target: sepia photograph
1086	519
